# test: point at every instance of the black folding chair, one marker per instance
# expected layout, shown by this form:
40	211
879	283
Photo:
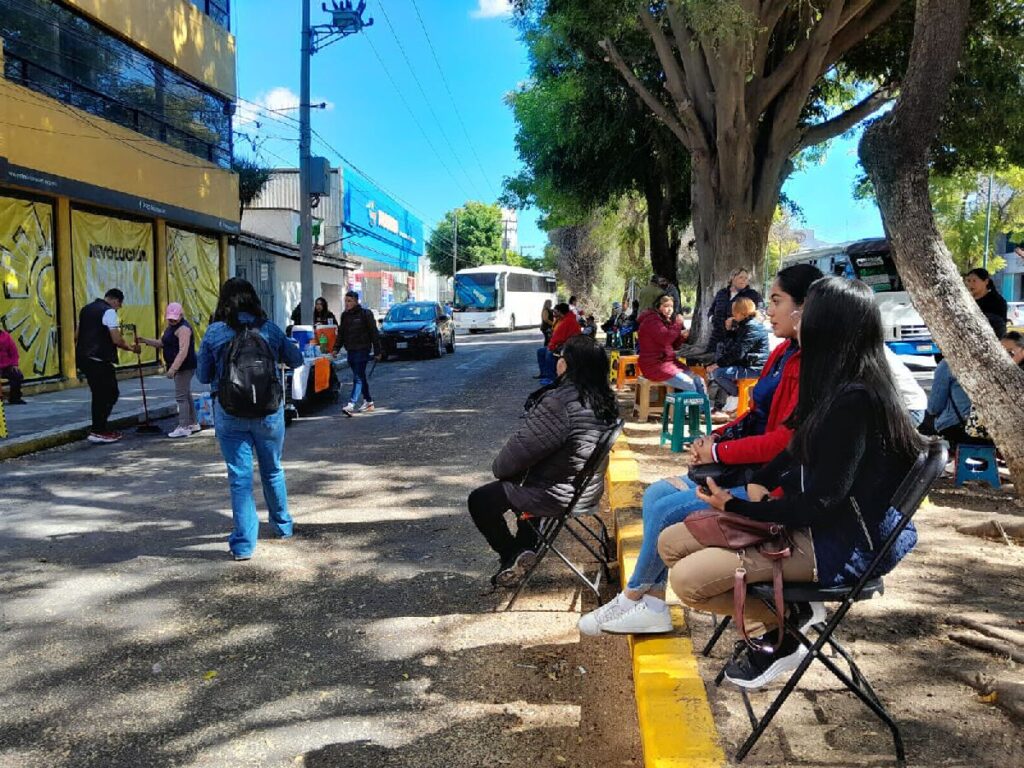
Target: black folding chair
905	501
573	521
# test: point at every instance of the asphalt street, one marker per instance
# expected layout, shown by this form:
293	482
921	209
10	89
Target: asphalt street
128	637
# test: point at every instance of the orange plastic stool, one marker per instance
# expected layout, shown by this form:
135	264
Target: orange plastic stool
746	399
625	362
699	370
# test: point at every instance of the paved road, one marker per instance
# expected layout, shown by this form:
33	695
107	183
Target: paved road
128	637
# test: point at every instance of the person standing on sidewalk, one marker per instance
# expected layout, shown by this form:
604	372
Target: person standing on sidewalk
179	347
9	367
239	437
97	339
358	334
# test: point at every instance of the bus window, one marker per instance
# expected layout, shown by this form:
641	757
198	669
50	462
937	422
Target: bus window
476	292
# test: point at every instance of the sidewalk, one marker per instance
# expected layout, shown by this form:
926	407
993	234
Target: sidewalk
56	418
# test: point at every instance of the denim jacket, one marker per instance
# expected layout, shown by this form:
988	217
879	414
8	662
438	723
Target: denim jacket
218	335
946	398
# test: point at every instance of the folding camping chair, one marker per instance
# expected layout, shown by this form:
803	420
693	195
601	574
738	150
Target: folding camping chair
573	521
905	501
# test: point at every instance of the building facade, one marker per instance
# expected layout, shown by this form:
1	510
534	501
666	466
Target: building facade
115	153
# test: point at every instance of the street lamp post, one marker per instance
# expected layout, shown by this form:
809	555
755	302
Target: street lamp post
345	21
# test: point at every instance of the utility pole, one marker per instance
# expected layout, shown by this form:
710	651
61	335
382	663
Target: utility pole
988	223
305	206
455	252
345	21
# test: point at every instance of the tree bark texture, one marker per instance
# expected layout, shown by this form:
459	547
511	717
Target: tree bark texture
895	152
663	257
736	102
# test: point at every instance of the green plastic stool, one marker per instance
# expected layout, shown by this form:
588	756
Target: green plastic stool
687	408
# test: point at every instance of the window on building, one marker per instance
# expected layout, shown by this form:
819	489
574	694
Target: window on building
218	10
54	51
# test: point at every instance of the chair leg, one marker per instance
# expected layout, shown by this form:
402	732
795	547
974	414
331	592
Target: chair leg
720	626
545	541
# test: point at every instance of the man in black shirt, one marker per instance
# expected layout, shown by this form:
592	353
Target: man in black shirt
97	339
358	334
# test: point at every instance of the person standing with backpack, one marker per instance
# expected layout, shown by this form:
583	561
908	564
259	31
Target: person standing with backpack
239	359
358	334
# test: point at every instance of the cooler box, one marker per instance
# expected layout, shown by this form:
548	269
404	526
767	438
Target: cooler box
302	334
331	332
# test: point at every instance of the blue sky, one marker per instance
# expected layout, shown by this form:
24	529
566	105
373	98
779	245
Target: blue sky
413	142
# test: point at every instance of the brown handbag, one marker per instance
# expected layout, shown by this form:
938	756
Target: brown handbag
727	530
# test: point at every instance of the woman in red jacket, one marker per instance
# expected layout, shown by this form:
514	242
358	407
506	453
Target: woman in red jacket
568	325
661	334
757	438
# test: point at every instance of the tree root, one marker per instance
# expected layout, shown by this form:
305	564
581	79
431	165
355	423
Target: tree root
985	629
998	647
1008	533
1005	693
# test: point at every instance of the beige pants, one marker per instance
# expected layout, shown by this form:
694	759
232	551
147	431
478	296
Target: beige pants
703	577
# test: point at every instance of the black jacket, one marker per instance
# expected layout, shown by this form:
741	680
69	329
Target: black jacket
551	446
721	308
745	345
993	306
358	331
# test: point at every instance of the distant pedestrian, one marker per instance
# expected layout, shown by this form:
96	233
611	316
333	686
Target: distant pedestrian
649	294
358	334
322	315
240	436
97	339
179	347
547	321
9	367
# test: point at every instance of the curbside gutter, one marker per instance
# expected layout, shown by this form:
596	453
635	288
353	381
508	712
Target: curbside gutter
677	728
40	441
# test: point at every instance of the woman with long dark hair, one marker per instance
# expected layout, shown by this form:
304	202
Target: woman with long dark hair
852	446
238	308
753	439
991	303
536	467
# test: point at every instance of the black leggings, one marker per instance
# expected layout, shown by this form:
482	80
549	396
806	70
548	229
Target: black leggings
487	506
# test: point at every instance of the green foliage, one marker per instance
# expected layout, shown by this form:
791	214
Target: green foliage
252	178
479	238
783	239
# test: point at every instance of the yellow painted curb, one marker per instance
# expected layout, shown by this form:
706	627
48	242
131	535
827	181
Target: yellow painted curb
677	729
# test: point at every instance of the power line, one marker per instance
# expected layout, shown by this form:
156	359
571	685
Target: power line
423	93
451	96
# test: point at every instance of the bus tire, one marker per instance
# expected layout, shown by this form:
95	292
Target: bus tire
474	331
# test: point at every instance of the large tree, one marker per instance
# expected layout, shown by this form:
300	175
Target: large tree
746	86
585	138
479	238
897	152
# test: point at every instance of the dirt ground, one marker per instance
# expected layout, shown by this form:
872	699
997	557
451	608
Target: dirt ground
900	641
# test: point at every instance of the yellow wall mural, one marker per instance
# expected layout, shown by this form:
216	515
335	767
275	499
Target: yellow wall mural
107	253
28	301
193	276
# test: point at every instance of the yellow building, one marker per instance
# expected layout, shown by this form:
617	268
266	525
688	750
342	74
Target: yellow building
115	149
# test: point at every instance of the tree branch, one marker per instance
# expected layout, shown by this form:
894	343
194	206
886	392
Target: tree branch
670	65
771	14
695	66
857	27
653	103
841	123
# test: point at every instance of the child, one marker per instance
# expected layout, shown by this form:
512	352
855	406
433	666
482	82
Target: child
742	354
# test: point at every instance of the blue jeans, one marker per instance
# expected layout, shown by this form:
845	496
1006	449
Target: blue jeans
239	439
547	367
357	361
727	376
542	353
664	505
686	383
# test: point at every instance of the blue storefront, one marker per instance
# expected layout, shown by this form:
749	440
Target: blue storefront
385	237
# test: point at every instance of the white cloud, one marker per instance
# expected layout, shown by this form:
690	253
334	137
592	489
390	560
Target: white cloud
280	101
492	9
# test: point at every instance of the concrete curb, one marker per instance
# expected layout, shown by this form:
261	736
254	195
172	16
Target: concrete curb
40	441
677	728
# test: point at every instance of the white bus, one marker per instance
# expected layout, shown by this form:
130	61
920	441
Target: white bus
500	297
871	261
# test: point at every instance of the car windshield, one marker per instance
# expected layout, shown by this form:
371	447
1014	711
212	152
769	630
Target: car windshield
406	313
476	292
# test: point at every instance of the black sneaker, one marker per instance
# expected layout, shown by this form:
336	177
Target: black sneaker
755	669
512	572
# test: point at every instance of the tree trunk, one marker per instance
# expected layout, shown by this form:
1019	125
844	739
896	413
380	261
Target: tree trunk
659	214
895	153
731	230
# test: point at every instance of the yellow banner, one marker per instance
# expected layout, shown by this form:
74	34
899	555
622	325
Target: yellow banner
116	253
28	302
193	276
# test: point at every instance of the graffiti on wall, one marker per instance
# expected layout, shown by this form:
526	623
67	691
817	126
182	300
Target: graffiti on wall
28	301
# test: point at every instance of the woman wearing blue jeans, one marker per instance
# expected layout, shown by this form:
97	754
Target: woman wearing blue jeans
242	437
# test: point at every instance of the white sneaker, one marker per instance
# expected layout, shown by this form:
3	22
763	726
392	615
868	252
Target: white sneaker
592	623
349	409
732	402
181	432
641	619
195	428
366	407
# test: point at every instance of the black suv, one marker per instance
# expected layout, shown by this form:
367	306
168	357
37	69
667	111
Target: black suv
417	326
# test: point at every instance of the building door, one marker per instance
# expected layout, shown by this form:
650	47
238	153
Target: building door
258	269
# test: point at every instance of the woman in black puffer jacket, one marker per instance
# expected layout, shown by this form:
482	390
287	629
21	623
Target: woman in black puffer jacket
537	465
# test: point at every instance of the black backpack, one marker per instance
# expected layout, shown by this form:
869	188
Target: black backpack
249	384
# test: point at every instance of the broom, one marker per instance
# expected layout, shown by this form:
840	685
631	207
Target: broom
147	427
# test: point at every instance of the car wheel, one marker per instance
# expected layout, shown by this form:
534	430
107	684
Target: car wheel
512	323
451	343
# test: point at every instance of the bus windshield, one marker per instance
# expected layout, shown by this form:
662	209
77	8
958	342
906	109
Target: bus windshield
878	271
476	292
